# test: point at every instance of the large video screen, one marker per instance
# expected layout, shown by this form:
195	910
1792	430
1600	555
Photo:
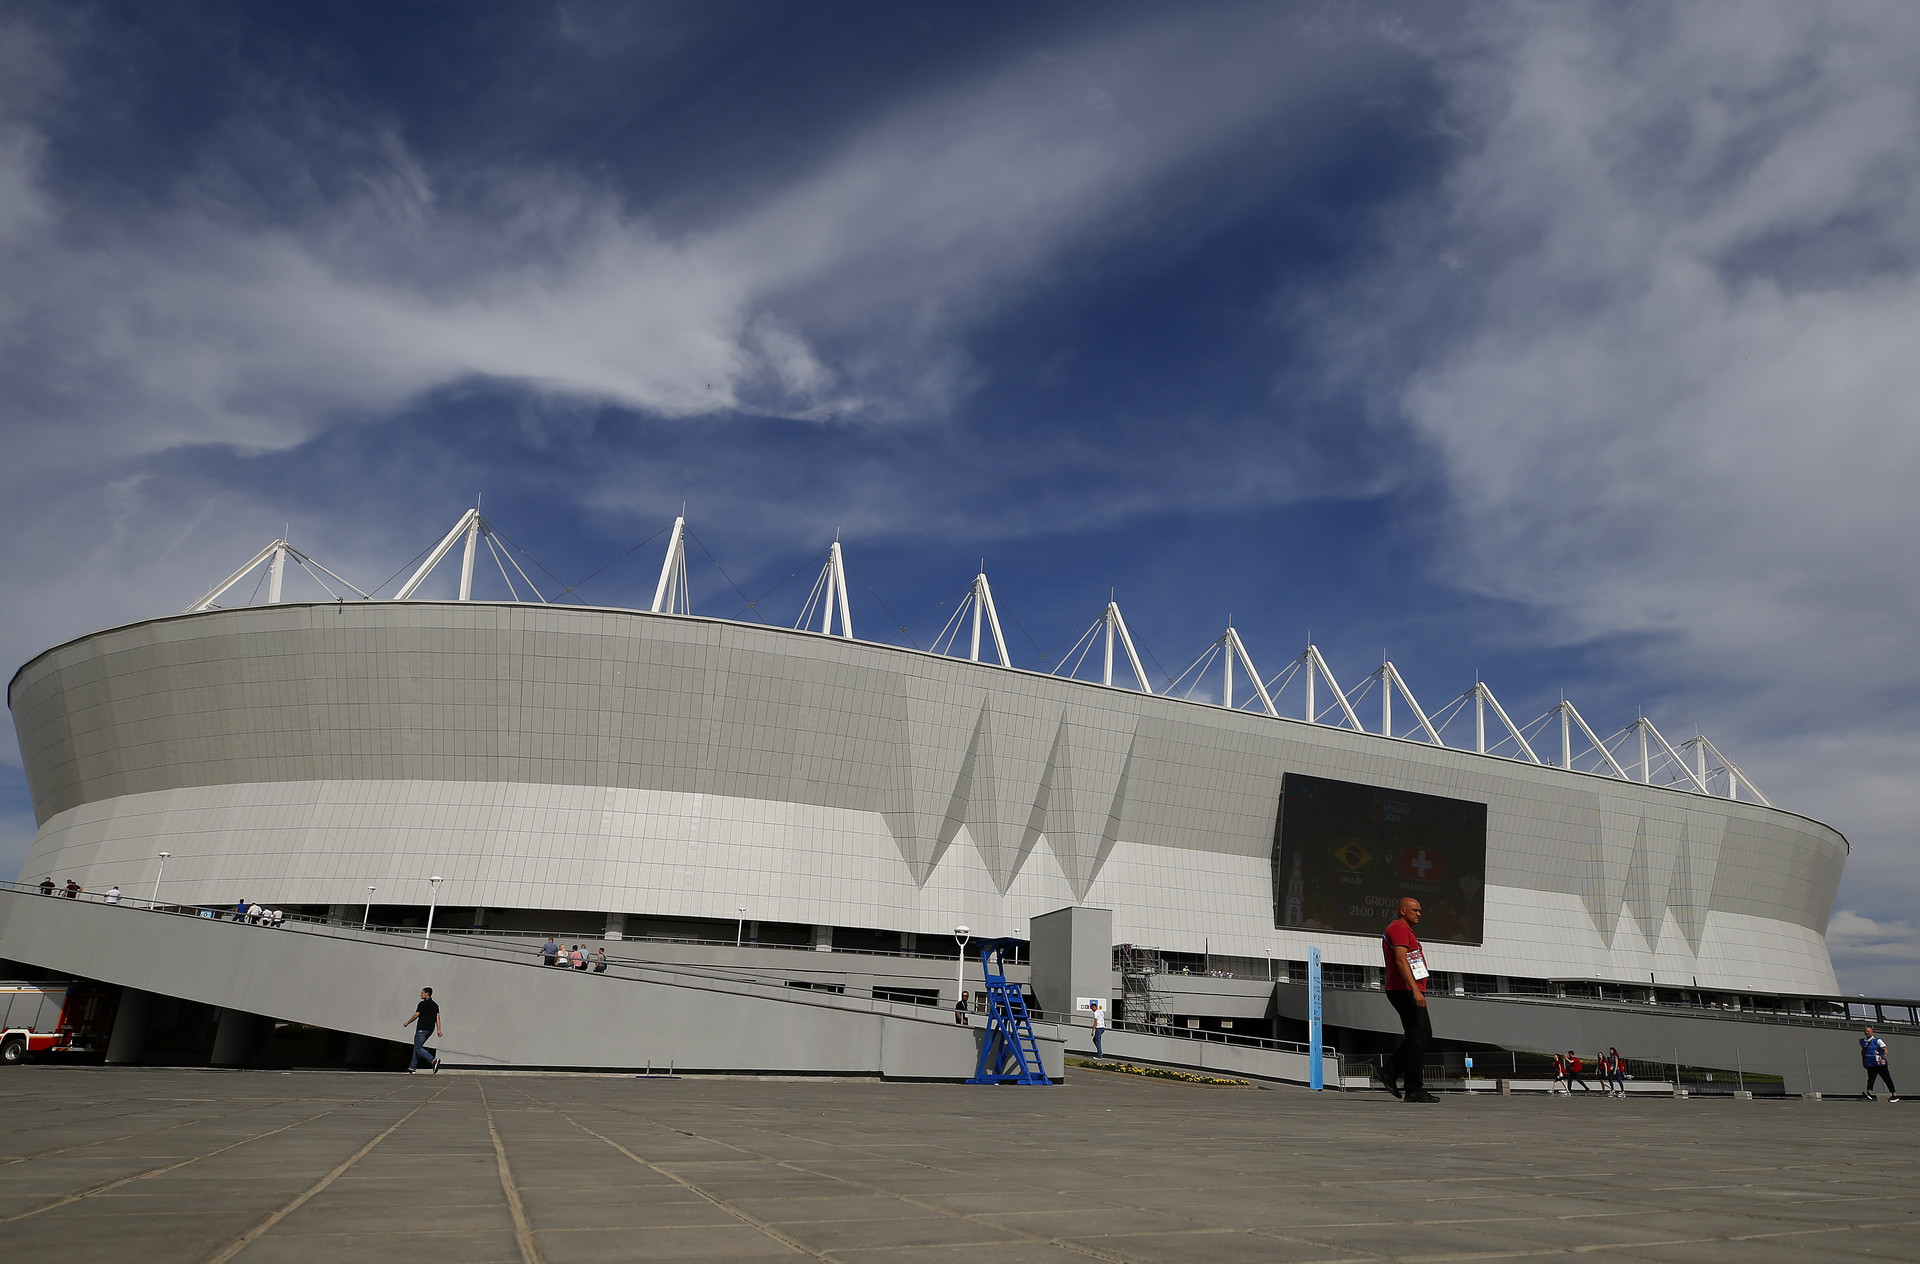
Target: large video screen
1345	854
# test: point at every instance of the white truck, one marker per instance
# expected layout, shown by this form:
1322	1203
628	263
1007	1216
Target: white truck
63	1018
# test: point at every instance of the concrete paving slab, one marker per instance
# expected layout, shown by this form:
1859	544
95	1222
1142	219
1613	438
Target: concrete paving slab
1003	1253
853	1235
852	1206
305	1249
871	1173
709	1242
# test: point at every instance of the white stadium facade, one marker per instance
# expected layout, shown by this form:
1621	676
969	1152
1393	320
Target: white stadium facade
651	773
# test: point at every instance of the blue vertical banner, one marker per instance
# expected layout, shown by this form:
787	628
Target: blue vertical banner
1319	1080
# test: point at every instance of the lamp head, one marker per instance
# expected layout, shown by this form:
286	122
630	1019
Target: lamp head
963	930
436	878
165	854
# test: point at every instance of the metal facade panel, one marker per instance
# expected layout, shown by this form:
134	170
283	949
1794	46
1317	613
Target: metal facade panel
601	759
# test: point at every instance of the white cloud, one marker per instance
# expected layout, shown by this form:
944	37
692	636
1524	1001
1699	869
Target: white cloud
1875	957
1680	402
204	319
197	322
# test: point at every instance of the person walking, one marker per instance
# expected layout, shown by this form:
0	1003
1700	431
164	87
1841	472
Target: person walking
46	885
254	913
550	951
1099	1028
960	1008
1873	1056
1559	1076
425	1022
1406	989
240	911
1576	1074
1617	1071
113	894
578	958
600	961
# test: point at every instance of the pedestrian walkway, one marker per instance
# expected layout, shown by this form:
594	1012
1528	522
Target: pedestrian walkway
174	1167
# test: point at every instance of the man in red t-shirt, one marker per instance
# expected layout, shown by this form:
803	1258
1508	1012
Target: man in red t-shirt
1406	987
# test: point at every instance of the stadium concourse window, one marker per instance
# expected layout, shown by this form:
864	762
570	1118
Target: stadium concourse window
1479	984
862	939
1529	987
1332	974
906	995
807	985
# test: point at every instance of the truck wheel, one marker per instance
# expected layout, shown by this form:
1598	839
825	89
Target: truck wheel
12	1051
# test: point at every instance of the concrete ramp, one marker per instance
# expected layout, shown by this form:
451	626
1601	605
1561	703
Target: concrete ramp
497	1011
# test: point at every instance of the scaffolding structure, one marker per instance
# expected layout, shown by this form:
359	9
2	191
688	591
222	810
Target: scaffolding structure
1140	970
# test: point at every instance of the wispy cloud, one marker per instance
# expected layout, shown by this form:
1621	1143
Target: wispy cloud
1878	957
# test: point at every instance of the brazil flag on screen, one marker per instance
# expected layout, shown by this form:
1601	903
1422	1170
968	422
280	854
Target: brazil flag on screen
1345	854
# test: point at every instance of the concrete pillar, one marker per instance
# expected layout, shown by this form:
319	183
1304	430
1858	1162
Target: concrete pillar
1071	958
344	914
753	932
240	1033
131	1023
823	939
909	942
616	926
480	917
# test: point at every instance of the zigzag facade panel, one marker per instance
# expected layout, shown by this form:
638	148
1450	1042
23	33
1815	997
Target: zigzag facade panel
556	758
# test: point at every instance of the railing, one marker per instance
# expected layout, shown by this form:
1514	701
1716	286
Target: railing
1840	1008
476	945
1536	1070
1842	1017
1216	1037
699	943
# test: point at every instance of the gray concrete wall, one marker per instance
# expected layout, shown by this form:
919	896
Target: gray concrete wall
1202	1055
1810	1057
497	1012
1072	957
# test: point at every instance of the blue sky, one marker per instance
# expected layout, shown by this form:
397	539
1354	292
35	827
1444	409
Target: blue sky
1566	345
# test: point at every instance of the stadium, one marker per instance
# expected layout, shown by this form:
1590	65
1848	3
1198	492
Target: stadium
519	767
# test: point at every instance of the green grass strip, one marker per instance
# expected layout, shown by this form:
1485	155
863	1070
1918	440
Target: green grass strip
1158	1073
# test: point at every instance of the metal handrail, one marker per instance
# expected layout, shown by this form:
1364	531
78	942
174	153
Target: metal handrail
680	973
1609	1006
1219	1037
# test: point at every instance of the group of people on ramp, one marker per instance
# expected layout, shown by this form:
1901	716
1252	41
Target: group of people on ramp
1569	1070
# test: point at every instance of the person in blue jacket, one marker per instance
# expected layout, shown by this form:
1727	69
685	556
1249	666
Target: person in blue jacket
1873	1056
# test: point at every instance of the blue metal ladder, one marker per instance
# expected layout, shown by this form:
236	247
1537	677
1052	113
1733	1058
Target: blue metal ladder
1009	1054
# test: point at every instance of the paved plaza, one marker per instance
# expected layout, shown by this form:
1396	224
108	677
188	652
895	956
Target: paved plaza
158	1166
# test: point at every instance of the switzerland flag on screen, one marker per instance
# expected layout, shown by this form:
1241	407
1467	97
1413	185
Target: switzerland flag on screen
1422	864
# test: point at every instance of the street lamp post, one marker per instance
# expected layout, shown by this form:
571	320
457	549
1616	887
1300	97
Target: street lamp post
963	934
155	901
740	928
432	899
368	915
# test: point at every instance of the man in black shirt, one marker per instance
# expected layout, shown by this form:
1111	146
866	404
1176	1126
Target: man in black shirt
425	1022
